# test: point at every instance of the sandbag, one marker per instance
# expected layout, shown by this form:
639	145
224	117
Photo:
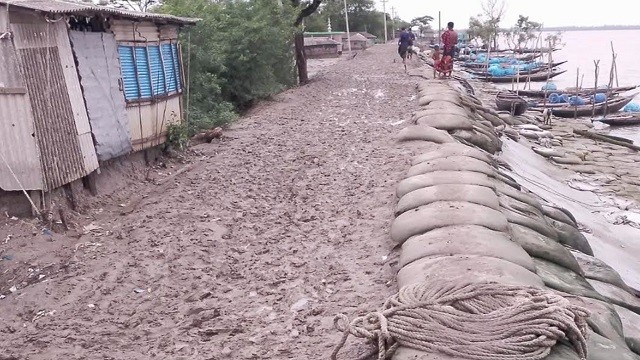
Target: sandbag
505	189
451	163
603	318
565	280
451	192
571	237
557	214
453	149
494	120
478	139
445	213
444	103
630	327
561	351
439	112
446	122
464	240
507	180
467	268
616	295
514	217
597	269
443	177
426	133
567	160
601	348
546	152
448	97
633	344
540	246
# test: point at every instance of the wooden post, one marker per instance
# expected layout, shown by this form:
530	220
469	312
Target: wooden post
606	104
615	66
301	59
595	88
575	111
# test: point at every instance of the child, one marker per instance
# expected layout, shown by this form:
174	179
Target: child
435	56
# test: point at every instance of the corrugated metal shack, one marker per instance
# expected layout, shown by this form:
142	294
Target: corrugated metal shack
81	84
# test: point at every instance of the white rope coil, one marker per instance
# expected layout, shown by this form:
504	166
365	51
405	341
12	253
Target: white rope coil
477	321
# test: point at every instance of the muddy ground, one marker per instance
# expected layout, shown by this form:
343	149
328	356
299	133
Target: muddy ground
244	248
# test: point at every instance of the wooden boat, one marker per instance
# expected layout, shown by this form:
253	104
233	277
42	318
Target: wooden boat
621	119
509	101
528	51
483	66
542	76
543	68
611	106
569	91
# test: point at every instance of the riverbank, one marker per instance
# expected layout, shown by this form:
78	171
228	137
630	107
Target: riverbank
247	247
595	180
455	226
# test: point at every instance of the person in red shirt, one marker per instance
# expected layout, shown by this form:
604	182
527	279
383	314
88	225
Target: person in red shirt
449	41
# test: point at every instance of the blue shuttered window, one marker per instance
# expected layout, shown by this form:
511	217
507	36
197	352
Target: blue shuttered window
128	69
149	71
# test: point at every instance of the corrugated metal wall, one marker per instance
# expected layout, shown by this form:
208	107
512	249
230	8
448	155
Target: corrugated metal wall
17	143
60	119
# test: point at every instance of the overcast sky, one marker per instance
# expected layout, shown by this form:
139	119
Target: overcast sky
549	12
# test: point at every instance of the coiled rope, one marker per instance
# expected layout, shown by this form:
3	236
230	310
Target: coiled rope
478	321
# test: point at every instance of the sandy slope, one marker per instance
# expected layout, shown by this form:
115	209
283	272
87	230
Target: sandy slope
247	254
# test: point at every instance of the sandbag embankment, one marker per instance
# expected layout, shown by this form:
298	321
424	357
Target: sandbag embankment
459	216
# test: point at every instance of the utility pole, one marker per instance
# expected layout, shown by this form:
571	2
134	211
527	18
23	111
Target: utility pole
439	28
346	19
393	19
384	14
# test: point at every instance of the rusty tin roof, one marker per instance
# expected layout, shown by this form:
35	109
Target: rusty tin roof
87	9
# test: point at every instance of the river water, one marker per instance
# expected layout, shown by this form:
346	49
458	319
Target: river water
581	48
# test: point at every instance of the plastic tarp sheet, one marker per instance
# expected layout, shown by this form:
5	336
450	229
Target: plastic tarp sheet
99	69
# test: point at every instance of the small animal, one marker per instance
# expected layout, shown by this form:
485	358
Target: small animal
546	116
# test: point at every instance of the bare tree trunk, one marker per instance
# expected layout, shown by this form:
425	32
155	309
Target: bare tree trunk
301	59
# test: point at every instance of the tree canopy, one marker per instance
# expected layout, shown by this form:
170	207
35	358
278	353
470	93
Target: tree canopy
363	16
523	32
486	26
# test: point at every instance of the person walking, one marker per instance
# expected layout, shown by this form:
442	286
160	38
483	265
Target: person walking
403	46
449	41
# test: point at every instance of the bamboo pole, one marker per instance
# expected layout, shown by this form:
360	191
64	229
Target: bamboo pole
599	137
595	88
615	66
611	72
575	111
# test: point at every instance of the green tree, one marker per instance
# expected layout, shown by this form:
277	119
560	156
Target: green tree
362	17
486	26
423	23
523	32
240	51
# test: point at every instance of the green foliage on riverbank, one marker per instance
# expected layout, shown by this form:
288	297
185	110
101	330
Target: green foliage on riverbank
240	52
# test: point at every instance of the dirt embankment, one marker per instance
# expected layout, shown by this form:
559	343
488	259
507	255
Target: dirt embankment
247	254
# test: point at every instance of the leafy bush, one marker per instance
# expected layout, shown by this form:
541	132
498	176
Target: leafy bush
240	51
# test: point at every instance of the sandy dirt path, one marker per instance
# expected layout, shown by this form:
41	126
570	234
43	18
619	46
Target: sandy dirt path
248	254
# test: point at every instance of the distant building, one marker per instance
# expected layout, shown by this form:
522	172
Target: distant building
371	39
321	47
358	42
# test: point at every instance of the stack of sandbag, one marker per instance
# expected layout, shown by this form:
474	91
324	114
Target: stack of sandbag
460	217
